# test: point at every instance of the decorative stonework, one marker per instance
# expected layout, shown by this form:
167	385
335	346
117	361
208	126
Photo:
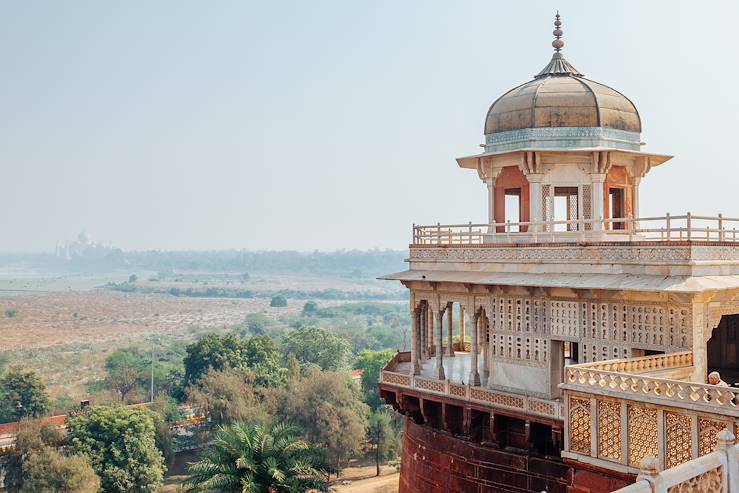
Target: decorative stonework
678	437
642	433
580	431
577	254
609	430
566	138
707	431
711	481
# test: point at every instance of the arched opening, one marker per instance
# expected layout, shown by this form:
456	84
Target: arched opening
723	350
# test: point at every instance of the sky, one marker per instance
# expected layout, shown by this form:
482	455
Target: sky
182	125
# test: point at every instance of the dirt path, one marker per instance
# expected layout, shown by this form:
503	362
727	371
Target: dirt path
381	484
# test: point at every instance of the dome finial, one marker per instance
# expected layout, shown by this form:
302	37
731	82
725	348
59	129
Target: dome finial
558	44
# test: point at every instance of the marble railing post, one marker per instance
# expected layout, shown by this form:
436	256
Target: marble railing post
474	374
450	328
440	346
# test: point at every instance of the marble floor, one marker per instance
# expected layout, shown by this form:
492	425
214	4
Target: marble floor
456	369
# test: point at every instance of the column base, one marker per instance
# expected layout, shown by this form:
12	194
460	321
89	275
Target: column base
474	379
440	372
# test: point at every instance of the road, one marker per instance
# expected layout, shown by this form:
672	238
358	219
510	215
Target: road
382	484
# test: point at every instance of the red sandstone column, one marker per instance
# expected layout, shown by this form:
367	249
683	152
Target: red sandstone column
440	346
474	374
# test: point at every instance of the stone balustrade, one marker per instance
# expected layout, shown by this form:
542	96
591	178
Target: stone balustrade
481	395
716	472
617	414
688	227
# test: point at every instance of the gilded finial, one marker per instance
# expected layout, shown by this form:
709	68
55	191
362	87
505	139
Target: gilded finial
558	44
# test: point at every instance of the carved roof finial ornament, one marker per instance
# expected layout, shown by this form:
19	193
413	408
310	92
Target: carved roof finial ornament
558	65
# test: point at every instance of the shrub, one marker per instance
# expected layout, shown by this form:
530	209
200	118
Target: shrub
11	312
278	301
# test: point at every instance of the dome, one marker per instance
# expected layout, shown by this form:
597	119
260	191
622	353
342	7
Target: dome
559	96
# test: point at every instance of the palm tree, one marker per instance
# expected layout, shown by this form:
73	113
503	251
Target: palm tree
256	459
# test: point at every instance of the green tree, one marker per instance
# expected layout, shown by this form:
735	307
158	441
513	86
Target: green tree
328	408
255	459
382	436
257	324
124	368
133	278
313	345
228	396
212	351
22	395
278	301
371	363
262	357
310	308
121	445
48	471
30	439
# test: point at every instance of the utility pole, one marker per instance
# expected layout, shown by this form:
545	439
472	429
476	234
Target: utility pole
152	372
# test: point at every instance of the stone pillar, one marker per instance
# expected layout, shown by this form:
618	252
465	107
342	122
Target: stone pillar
430	318
491	202
598	181
461	328
700	351
485	350
450	328
422	331
535	203
440	346
416	367
474	374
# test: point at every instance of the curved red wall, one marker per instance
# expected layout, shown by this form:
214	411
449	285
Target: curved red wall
437	462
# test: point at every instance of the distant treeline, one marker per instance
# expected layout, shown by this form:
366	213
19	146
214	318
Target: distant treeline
351	263
211	292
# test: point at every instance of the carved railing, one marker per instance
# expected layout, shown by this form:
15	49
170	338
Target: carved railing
716	472
482	395
616	412
643	364
687	227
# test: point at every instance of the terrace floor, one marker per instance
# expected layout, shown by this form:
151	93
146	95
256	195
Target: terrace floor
456	369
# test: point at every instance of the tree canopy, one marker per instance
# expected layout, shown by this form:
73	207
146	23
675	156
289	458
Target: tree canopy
212	351
125	367
328	408
22	395
317	346
371	363
121	445
255	459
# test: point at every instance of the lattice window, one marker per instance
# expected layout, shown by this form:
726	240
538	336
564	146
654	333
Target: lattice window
707	435
587	205
580	431
678	438
547	207
642	434
563	319
609	430
572	211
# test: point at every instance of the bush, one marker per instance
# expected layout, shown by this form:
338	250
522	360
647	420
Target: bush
278	302
11	312
310	308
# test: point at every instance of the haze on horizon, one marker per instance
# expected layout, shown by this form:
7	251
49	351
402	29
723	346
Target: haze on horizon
324	125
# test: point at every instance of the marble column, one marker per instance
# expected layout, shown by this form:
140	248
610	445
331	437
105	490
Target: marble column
485	349
535	203
490	182
474	374
598	182
461	328
415	346
430	317
440	346
450	329
422	332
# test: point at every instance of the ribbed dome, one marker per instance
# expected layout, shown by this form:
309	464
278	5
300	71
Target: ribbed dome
562	100
559	96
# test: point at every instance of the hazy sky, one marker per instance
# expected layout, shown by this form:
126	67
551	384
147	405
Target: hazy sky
324	125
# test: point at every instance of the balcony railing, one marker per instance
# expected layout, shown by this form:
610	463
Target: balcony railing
687	227
495	398
620	412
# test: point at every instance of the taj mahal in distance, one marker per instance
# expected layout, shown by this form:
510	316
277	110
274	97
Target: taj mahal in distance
569	344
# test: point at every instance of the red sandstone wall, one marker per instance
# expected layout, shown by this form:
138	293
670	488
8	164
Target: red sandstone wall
436	462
